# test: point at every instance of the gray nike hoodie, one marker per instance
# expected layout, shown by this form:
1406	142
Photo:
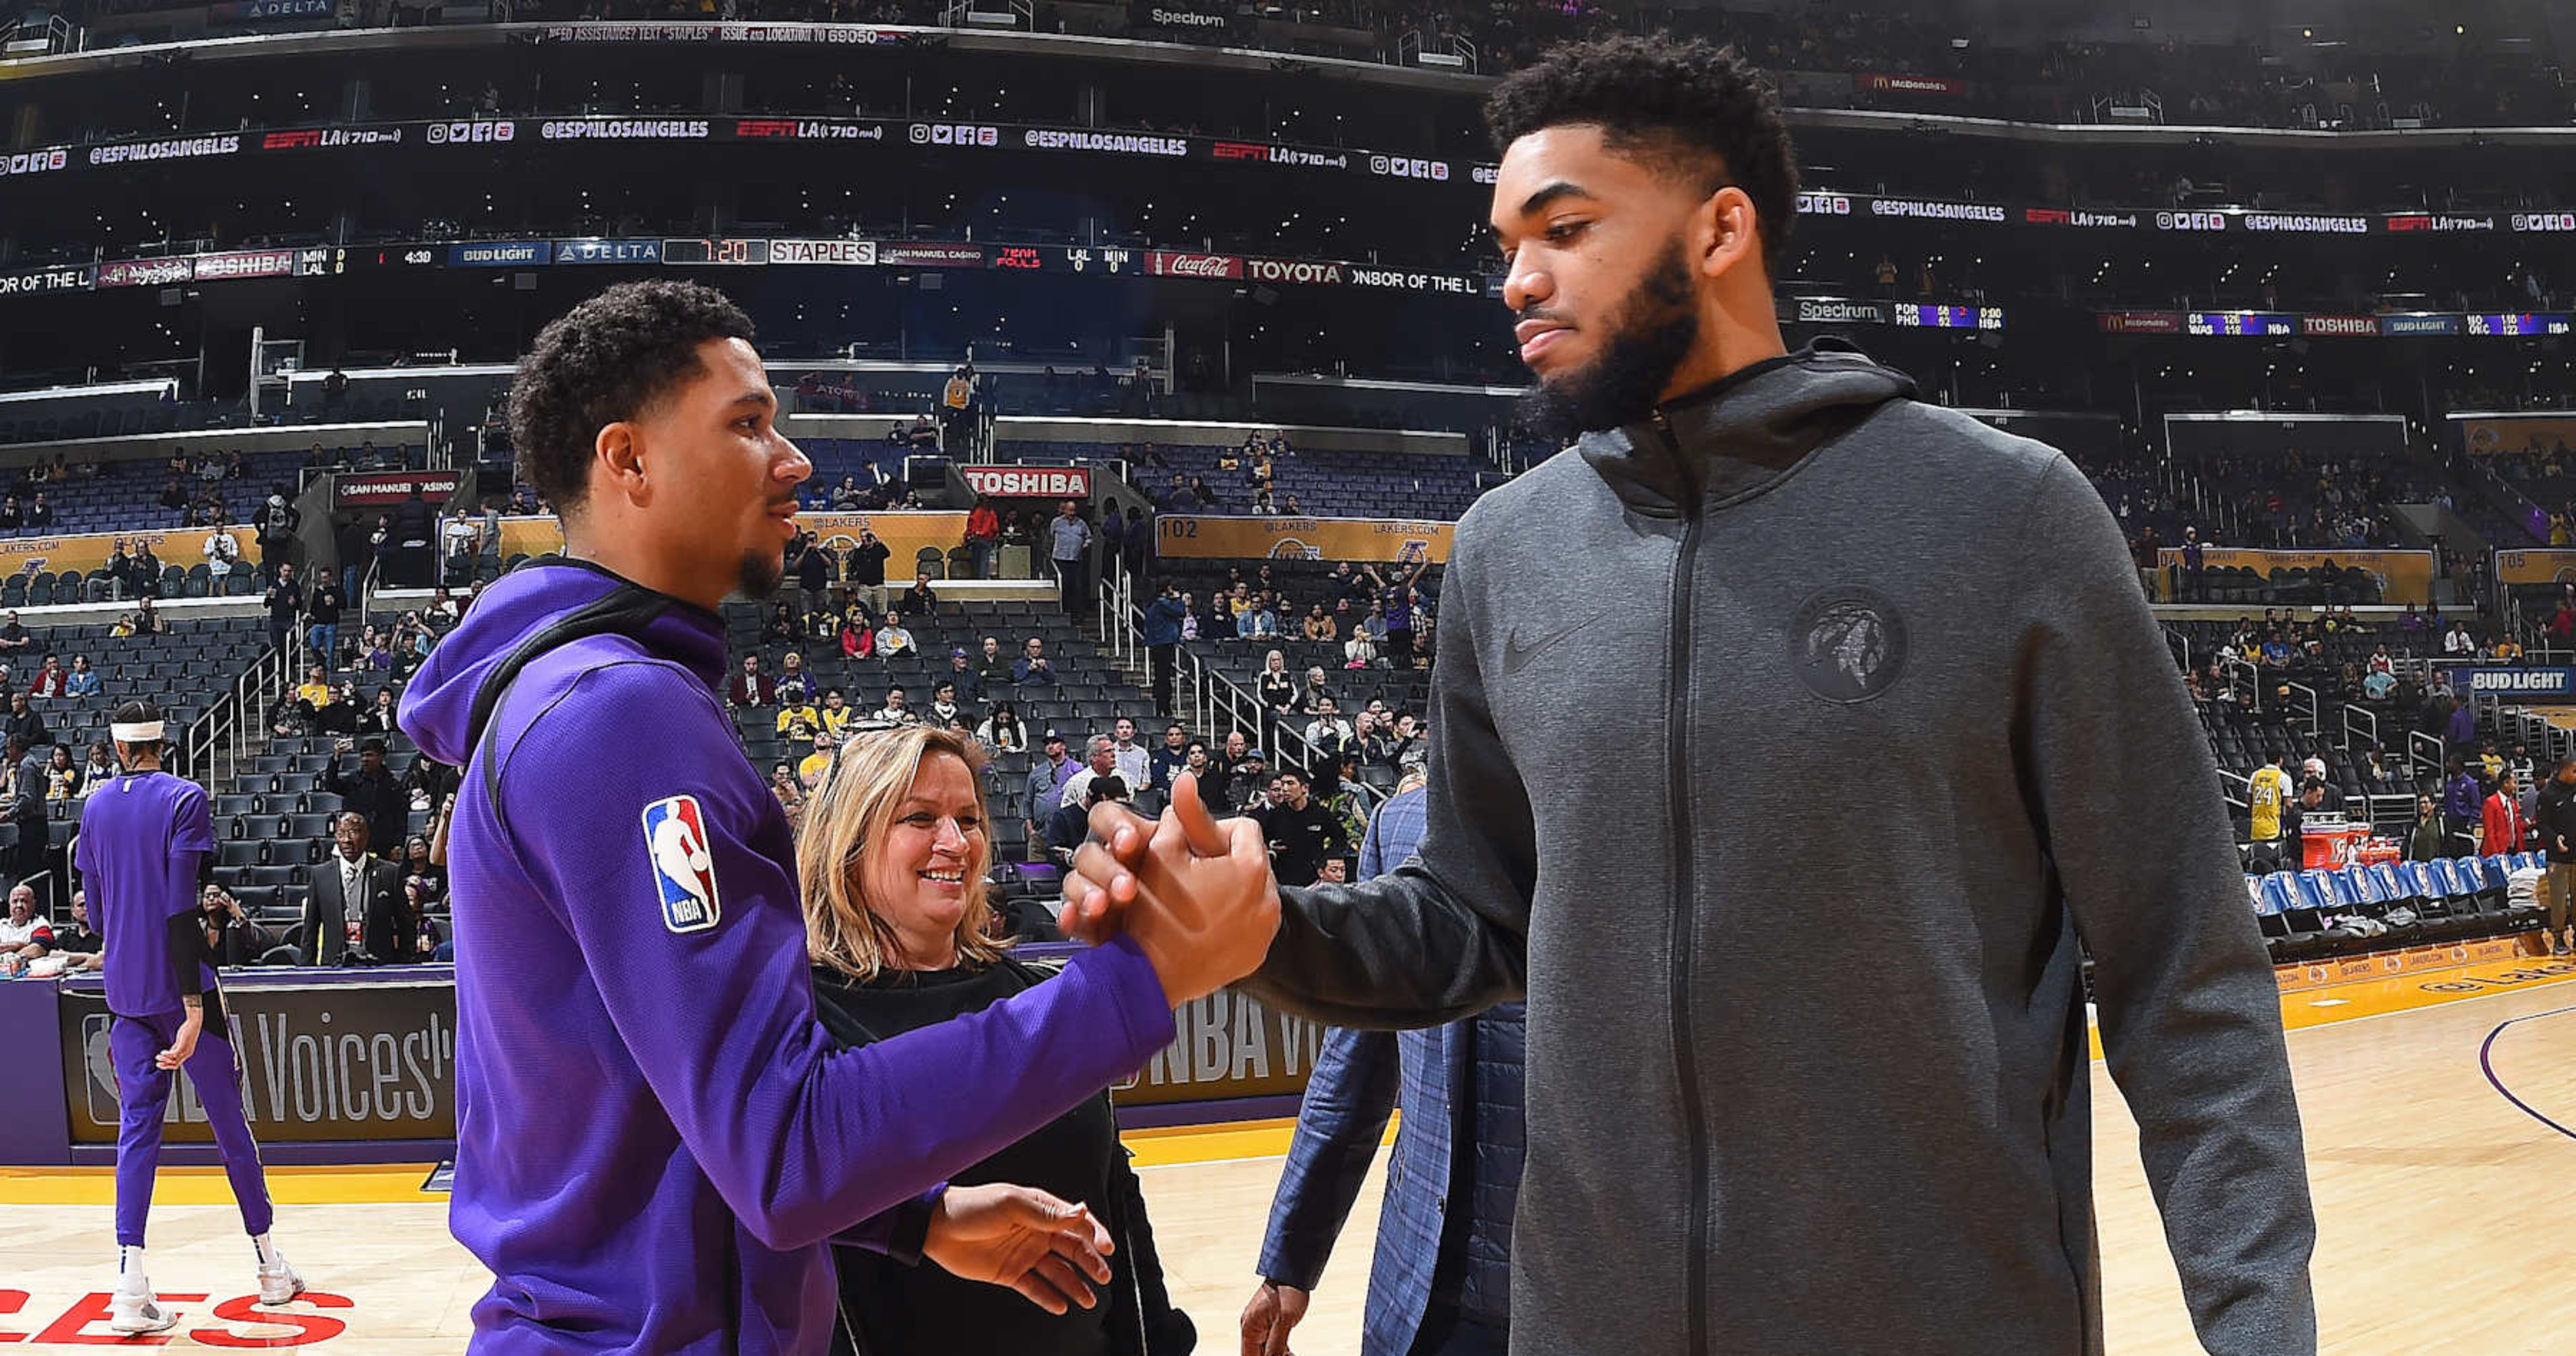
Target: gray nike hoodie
1806	1036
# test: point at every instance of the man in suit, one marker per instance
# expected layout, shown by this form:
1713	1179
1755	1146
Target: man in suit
353	904
1441	1282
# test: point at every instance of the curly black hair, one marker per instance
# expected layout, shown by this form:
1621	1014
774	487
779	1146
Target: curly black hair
610	358
1684	106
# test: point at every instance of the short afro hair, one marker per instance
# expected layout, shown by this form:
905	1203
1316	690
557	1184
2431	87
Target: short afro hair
1689	107
611	358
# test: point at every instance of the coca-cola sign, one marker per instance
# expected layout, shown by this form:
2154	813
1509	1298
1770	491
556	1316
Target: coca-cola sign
146	272
1171	265
1291	271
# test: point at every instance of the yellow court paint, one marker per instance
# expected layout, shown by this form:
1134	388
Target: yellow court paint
2356	999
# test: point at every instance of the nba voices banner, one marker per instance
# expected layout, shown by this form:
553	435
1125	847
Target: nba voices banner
363	1059
1178	536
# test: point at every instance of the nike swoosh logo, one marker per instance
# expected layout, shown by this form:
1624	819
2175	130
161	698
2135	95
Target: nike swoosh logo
1517	653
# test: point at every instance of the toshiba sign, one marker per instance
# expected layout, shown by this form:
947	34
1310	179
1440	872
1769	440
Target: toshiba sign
1029	482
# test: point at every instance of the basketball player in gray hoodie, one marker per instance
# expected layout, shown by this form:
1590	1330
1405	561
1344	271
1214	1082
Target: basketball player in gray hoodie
1745	1138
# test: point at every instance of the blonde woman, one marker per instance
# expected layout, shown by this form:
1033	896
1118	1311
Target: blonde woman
891	862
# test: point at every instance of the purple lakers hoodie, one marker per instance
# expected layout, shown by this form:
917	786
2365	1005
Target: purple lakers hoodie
655	1139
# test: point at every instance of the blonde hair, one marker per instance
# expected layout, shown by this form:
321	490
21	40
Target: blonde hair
849	813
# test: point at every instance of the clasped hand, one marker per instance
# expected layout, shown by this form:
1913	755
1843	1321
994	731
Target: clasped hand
1195	893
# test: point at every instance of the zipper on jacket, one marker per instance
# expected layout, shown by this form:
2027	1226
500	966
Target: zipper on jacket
1685	1061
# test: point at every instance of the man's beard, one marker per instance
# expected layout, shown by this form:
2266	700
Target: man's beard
759	575
1653	330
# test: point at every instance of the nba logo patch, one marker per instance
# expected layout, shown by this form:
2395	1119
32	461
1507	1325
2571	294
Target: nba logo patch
684	869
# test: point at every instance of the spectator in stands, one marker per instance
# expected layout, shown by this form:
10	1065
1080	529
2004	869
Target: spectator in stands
1328	732
897	709
27	936
1033	667
78	944
867	570
147	579
338	716
858	637
420	863
233	937
410	653
893	641
357	540
944	709
2294	819
836	713
1134	761
26	723
795	681
353	904
781	628
14	637
50	681
1101	760
2461	799
1001	731
99	769
277	521
1047	778
751	687
810	771
315	692
983	538
222	551
920	600
1071	823
1301	832
1139	541
1166	761
2458	643
371	791
1316	693
798	719
2555	815
285	601
1069	547
322	615
2502	828
992	668
119	571
62	776
1318	625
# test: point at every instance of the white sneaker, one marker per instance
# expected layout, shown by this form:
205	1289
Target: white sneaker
132	1308
279	1283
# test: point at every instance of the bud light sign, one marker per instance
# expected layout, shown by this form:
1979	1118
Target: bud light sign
2515	682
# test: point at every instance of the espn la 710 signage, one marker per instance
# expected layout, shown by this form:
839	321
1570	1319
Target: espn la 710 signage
1029	482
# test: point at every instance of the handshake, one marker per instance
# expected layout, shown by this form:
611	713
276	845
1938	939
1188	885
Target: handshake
1195	894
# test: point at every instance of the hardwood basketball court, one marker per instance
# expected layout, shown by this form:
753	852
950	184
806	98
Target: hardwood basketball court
2434	1106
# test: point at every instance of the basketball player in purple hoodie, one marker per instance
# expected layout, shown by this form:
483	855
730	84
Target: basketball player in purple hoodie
656	1142
144	839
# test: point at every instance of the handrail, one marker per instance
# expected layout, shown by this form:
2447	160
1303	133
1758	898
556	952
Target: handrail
2304	703
2362	722
2424	754
2236	790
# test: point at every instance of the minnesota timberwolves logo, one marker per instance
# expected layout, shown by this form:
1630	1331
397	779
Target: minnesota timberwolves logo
1847	644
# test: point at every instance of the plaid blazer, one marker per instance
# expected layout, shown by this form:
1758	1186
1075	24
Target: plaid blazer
1359	1078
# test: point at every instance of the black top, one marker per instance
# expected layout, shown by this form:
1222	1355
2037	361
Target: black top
887	1307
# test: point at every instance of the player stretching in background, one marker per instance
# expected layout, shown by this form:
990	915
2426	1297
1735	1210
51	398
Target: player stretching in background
145	838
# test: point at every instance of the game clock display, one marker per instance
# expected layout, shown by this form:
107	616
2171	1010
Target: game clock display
729	250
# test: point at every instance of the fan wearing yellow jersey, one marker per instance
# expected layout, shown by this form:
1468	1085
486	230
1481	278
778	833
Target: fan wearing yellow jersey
2271	787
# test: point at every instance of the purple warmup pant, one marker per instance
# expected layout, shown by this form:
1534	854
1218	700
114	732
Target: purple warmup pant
143	1089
